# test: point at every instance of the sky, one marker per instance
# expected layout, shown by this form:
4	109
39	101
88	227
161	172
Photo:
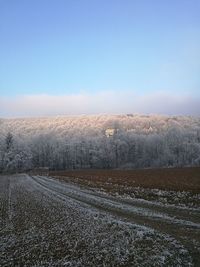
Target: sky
64	57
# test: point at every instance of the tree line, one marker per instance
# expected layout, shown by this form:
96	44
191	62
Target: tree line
172	147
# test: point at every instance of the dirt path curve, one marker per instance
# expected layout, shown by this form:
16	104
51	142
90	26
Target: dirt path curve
181	223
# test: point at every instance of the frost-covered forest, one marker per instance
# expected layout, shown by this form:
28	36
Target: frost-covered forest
103	141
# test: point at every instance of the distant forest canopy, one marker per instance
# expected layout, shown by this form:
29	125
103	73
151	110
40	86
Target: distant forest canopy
100	141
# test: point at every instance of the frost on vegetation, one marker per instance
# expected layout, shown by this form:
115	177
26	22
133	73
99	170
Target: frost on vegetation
93	198
165	197
81	142
46	231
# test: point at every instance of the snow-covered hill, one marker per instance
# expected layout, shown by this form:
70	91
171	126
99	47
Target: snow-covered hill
100	141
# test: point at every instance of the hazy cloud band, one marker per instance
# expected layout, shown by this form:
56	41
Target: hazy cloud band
102	102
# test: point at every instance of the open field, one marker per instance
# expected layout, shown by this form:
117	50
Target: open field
177	179
180	186
47	222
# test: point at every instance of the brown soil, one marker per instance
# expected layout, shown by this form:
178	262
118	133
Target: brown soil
177	179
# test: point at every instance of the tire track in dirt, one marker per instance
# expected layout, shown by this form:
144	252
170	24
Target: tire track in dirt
147	214
50	228
9	202
174	215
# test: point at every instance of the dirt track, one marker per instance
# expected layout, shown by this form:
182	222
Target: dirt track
184	224
73	216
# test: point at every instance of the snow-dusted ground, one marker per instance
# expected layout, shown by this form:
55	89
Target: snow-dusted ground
182	199
174	215
45	222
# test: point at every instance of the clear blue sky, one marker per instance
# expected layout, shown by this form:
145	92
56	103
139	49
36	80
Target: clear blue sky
60	47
